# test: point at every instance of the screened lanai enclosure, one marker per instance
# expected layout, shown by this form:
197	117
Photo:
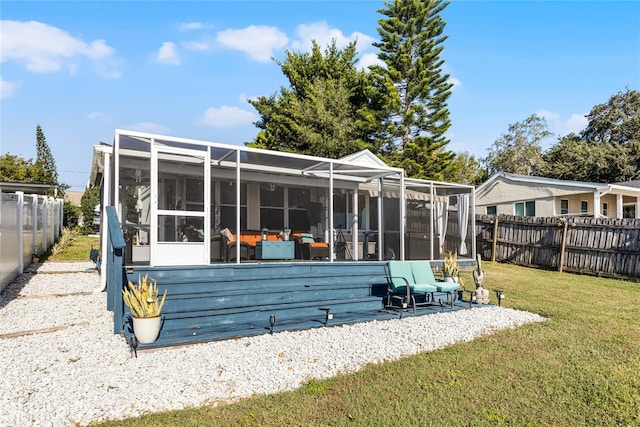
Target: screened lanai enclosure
189	202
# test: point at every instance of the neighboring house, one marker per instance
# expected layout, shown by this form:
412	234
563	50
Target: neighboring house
74	197
523	195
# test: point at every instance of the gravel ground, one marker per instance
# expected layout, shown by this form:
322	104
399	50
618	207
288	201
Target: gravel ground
63	366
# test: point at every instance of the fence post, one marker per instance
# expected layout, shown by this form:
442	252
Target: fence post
20	230
563	245
494	246
34	218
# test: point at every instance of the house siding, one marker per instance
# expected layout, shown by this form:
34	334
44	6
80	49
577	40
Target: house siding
503	190
503	195
576	199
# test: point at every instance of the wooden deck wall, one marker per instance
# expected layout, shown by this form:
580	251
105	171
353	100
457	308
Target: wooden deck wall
221	301
602	247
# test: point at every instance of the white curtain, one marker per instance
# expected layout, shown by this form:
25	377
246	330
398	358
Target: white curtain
442	217
463	221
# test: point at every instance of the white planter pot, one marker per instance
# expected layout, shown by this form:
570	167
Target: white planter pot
146	329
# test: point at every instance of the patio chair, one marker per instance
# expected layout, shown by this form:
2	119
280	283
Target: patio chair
408	279
307	247
229	246
422	273
402	286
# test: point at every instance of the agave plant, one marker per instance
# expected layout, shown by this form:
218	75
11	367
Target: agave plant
450	265
142	298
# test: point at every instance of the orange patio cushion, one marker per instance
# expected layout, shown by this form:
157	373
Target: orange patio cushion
318	245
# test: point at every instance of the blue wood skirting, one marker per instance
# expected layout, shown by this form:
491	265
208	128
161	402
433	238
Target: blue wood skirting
206	303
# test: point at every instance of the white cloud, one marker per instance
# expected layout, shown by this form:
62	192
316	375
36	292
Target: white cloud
149	127
42	48
548	115
258	42
245	98
370	59
575	124
227	117
455	82
168	54
193	45
96	115
7	88
323	35
559	127
190	26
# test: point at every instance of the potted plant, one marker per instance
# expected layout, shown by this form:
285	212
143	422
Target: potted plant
450	267
142	300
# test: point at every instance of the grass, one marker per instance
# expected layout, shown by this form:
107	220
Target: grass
75	247
581	367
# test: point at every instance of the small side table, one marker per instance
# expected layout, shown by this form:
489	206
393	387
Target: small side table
267	249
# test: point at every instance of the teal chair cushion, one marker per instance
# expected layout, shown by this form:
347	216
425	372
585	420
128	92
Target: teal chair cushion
424	278
399	270
424	287
447	286
422	272
307	238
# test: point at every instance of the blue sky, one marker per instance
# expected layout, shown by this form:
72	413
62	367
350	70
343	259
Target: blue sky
82	69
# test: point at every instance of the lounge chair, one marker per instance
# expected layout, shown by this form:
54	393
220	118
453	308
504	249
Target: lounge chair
408	279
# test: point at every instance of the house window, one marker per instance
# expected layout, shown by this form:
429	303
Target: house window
584	207
343	216
525	208
605	209
564	206
228	205
271	206
492	210
299	205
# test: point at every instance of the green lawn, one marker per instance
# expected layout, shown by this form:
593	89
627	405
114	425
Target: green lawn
581	367
77	249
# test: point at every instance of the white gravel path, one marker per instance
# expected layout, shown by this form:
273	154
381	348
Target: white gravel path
81	372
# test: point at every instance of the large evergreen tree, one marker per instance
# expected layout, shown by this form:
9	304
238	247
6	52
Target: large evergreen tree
320	111
45	165
416	89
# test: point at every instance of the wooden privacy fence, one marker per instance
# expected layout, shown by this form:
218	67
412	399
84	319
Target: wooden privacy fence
596	246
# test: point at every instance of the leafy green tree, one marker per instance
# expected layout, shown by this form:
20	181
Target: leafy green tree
519	151
45	165
466	169
88	202
415	88
70	215
320	111
617	121
607	150
575	159
16	169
